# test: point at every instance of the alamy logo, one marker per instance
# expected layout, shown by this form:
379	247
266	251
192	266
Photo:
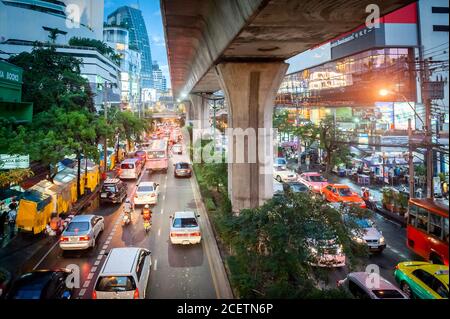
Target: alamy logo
373	276
73	16
373	19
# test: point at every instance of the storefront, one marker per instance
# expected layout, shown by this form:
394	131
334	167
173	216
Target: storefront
11	105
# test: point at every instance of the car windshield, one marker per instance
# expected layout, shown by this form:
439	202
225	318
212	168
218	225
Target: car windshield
299	188
185	222
388	294
182	166
140	153
127	166
157	154
115	284
316	178
344	191
280	168
28	292
78	227
144	189
281	161
361	222
109	188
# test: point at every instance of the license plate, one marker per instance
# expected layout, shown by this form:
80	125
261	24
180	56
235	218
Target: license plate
73	238
103	195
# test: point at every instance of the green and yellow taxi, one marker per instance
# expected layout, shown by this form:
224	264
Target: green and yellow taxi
422	280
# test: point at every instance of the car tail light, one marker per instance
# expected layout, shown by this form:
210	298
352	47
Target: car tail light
94	294
396	267
176	234
196	234
63	238
84	238
153	195
136	294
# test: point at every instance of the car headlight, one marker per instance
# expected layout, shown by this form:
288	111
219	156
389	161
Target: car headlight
382	240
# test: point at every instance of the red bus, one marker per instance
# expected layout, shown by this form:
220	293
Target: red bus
158	155
427	229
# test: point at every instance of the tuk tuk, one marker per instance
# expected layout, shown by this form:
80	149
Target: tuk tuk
34	211
61	196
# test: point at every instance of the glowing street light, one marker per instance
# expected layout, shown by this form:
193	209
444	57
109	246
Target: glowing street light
384	92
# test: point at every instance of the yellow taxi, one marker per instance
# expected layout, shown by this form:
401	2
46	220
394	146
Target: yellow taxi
422	280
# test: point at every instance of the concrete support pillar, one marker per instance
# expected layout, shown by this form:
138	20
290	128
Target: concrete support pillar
201	110
250	90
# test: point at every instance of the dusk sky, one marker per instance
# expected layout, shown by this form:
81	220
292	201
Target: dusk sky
153	21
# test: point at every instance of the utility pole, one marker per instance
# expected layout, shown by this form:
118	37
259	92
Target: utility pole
428	132
105	143
410	161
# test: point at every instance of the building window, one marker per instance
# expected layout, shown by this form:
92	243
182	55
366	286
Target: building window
443	28
439	10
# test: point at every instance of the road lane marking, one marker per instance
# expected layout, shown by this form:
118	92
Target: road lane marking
107	242
110	237
102	251
162	211
97	262
86	283
105	247
89	277
204	242
164	197
99	257
159	232
82	292
93	269
156	263
45	256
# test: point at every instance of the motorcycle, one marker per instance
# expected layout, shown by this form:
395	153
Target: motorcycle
126	219
147	225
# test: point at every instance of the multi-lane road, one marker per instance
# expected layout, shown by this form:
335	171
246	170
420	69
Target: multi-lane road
184	272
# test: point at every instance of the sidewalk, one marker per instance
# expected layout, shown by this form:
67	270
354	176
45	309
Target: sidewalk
23	251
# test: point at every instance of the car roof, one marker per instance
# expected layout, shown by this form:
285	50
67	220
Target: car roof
146	184
82	218
130	160
188	214
111	181
436	270
179	163
121	260
312	174
361	277
339	186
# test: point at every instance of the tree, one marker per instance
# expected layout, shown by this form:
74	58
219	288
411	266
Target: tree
14	176
272	246
306	134
51	79
102	47
281	121
334	142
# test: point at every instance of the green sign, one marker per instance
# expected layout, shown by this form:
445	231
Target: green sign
10	73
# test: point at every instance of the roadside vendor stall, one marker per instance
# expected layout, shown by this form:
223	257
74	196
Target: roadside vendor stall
34	212
91	177
7	196
61	195
68	177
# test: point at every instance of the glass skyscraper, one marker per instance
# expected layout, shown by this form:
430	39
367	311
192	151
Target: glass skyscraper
133	20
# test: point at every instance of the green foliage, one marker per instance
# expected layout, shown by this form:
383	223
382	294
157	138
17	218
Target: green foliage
280	121
333	141
51	79
14	176
102	47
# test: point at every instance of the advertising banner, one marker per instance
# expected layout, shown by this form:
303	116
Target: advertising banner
14	161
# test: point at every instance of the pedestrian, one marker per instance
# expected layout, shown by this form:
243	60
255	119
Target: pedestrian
3	216
13	205
12	222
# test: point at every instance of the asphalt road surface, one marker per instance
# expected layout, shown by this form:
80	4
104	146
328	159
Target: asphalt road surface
180	272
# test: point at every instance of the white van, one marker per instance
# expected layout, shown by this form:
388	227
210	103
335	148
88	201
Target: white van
130	168
124	275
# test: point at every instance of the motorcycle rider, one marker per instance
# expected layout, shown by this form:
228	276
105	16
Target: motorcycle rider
128	207
147	214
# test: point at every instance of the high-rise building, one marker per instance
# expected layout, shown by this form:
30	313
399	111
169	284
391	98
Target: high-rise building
133	20
159	80
67	19
130	66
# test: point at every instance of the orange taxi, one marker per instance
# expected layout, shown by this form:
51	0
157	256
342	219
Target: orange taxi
341	193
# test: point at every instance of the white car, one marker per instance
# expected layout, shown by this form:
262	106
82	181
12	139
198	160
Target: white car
184	228
281	174
367	233
146	193
82	232
279	162
124	275
326	253
177	149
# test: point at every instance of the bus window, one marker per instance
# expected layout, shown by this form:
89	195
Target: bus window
422	219
435	225
446	230
412	216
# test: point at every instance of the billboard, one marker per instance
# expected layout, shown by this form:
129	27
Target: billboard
402	112
14	161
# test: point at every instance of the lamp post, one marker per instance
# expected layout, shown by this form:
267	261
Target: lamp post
104	87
